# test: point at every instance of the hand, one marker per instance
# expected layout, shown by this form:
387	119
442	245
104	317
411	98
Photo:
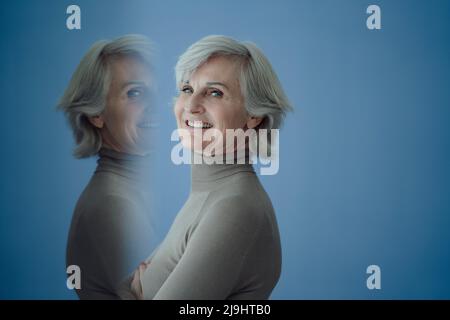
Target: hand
136	287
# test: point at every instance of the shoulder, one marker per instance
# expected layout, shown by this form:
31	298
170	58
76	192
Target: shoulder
235	211
244	197
108	210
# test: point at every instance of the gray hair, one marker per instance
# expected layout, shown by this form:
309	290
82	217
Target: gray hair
262	91
85	96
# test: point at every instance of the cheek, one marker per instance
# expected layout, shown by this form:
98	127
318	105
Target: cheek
231	115
133	113
115	111
240	117
220	117
124	121
229	120
178	110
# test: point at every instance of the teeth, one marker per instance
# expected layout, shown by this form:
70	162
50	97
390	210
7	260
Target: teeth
198	124
146	124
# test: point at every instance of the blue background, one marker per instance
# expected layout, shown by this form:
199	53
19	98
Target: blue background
364	168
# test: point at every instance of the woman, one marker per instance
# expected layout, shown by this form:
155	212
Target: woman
107	104
224	243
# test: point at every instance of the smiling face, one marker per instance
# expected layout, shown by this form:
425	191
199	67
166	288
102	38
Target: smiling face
125	122
212	98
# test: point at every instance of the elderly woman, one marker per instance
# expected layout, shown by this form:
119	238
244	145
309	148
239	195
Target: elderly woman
107	105
224	243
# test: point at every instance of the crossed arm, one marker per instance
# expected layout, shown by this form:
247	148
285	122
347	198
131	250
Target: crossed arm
213	259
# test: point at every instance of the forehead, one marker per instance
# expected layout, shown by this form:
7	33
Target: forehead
220	68
129	68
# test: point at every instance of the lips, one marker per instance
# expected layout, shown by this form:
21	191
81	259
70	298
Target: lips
196	124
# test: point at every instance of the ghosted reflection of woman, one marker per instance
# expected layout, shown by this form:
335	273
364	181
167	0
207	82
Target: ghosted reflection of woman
107	104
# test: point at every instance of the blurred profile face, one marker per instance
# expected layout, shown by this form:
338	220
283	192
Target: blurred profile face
126	121
211	100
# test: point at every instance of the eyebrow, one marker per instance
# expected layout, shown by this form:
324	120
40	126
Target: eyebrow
126	84
216	83
211	83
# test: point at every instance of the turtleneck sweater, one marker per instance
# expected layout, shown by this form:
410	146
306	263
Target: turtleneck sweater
223	244
111	230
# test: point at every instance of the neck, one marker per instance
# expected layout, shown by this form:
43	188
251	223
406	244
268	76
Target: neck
208	173
128	165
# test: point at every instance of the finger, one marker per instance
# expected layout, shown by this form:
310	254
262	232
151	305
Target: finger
136	284
144	265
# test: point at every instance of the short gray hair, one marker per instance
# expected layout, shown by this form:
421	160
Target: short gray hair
85	96
262	91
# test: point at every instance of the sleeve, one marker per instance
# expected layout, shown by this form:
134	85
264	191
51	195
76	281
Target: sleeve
215	254
122	237
124	289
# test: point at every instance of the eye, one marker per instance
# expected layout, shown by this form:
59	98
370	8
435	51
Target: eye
215	93
187	90
134	93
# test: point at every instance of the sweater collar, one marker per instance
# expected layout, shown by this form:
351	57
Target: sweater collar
209	173
127	165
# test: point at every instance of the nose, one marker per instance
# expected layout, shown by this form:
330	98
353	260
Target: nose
194	105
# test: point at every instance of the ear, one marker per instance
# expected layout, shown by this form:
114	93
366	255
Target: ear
253	122
97	121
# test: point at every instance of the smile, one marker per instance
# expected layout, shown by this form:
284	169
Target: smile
198	124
